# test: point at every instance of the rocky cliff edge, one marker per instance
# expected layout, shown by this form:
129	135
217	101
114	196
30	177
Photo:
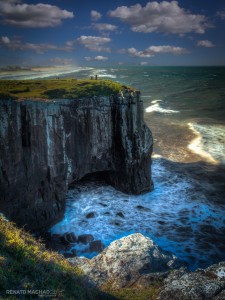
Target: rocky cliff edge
46	145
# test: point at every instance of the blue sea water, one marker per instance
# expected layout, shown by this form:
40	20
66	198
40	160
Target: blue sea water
185	214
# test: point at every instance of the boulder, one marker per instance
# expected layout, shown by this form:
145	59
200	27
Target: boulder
200	285
69	237
120	214
85	238
127	260
90	215
96	246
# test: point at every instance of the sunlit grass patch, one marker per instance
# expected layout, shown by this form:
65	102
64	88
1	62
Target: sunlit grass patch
68	88
25	264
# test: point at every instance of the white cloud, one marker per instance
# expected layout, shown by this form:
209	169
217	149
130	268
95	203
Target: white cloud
98	58
94	43
205	43
95	15
221	14
32	15
154	50
16	44
105	27
166	17
61	61
5	40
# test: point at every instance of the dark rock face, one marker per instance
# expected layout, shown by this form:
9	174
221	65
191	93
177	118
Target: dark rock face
44	146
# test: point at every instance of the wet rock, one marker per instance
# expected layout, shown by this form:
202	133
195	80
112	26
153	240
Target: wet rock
120	214
90	215
70	254
162	222
103	204
96	246
55	243
199	285
85	238
140	207
127	260
69	237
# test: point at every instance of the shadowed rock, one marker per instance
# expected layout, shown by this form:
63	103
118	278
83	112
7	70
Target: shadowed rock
199	285
85	238
44	146
96	246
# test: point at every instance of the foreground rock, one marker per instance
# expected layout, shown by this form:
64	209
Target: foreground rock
135	262
46	145
132	260
199	285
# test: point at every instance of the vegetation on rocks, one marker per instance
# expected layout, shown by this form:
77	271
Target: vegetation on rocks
25	264
134	292
68	88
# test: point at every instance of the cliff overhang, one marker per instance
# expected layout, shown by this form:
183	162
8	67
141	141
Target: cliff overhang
46	145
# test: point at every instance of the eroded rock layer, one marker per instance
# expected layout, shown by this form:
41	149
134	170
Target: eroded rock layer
45	145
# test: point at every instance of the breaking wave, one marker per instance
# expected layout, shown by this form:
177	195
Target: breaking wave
209	142
155	107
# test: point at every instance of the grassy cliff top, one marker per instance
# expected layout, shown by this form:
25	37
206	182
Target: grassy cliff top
68	88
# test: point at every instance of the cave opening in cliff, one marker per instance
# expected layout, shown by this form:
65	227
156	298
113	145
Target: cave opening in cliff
102	177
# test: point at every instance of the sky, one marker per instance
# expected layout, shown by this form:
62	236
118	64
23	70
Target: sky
106	33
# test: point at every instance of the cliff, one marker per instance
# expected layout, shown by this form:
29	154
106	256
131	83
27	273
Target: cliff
46	145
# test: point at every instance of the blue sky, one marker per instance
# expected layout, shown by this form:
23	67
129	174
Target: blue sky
101	33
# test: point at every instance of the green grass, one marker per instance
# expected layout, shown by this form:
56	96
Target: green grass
25	264
134	293
68	88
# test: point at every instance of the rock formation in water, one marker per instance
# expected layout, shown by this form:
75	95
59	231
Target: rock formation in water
46	145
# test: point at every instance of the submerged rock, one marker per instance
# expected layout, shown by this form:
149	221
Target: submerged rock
120	214
129	260
90	215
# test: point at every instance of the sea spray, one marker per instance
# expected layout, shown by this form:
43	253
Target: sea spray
174	215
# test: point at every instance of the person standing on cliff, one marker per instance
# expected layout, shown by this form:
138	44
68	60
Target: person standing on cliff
96	77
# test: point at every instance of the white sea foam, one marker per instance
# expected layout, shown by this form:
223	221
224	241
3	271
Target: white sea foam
209	142
168	215
155	107
107	76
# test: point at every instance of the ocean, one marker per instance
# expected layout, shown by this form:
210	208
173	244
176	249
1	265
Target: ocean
185	214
